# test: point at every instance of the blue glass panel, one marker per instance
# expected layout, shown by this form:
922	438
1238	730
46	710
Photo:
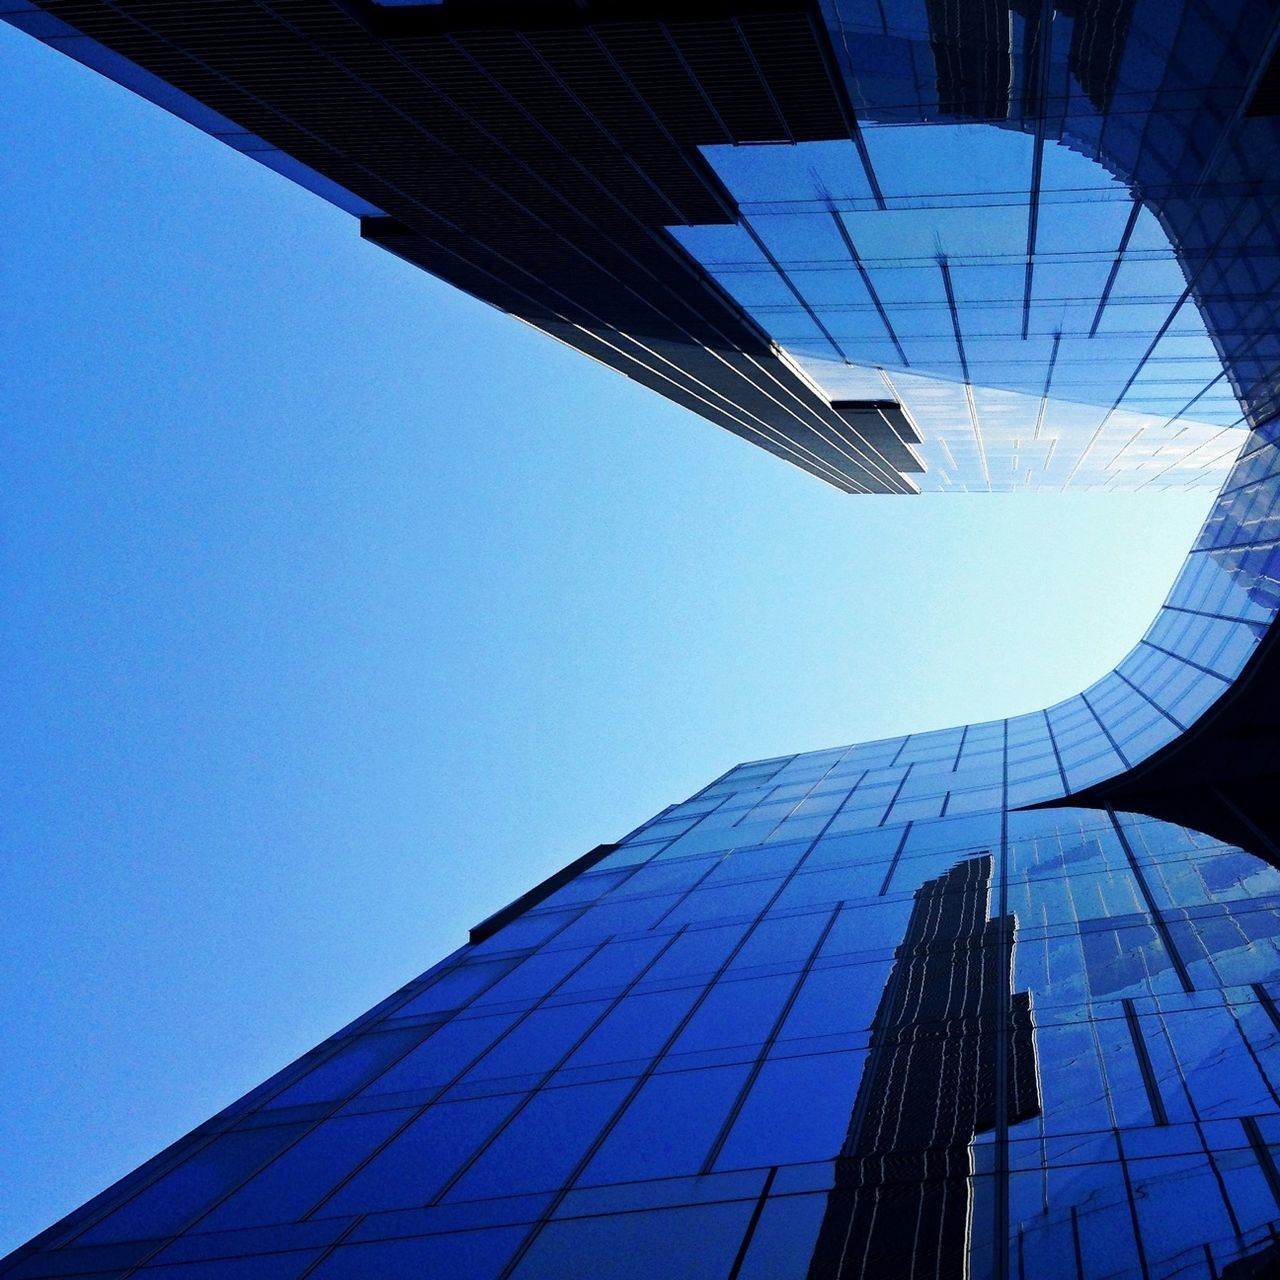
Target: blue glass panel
535	976
538	1042
696	1243
295	1183
635	1030
614	965
1162	1190
724	902
835	1001
416	1164
668	1128
735	1013
109	1261
542	1144
455	987
771	174
782	1243
446	1053
344	1073
827	1082
170	1203
476	1255
694	953
526	931
780	940
270	1266
659	877
294	1238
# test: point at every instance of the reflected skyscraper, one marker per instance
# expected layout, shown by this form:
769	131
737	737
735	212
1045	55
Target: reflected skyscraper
1002	1000
946	1028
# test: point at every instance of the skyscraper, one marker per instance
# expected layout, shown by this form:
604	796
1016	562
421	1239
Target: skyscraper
999	1000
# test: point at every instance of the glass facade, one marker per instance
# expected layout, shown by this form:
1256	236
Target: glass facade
903	244
856	1012
1019	367
931	1006
1011	274
801	1024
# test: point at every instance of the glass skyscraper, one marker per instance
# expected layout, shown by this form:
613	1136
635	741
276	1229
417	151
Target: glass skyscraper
996	1001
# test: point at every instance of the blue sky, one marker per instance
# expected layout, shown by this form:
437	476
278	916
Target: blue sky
339	608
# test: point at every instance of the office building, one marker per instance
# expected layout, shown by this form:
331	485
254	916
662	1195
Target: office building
992	1001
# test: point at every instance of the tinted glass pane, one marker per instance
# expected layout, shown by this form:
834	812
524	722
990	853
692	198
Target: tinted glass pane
692	1244
413	1168
543	1143
669	1126
168	1204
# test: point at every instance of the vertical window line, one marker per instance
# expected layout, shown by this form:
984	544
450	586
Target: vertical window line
785	276
1125	236
735	1110
897	856
332	1247
864	154
1075	1243
1048	382
945	267
872	292
1003	1030
492	1137
1057	755
902	782
697	884
1157	919
611	1123
1263	1155
1211	1159
1110	737
1267	1003
1150	701
438	1091
1133	1206
1033	220
763	80
1140	1051
750	1232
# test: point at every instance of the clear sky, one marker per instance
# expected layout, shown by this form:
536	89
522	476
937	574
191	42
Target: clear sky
339	608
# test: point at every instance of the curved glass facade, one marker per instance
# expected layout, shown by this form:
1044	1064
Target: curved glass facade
938	1005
